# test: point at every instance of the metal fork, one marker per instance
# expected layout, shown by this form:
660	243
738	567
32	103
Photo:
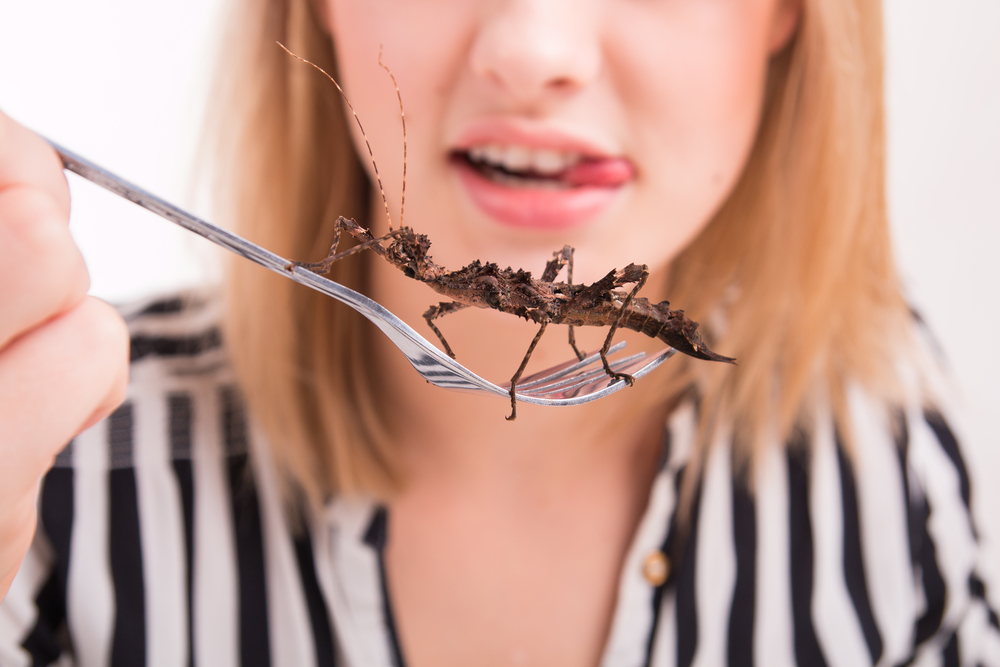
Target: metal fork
570	383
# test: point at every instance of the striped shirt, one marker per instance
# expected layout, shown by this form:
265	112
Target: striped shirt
162	541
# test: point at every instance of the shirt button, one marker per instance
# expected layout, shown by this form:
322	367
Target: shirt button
656	568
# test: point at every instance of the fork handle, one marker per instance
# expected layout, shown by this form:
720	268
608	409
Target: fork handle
223	237
95	174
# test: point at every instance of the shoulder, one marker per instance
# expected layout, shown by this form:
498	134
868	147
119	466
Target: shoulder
906	511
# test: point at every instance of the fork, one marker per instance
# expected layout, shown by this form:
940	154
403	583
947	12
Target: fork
570	383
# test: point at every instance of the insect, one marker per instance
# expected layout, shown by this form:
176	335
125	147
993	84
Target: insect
517	292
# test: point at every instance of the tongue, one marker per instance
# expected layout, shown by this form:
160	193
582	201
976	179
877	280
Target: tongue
608	172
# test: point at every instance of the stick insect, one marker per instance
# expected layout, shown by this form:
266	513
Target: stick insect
539	300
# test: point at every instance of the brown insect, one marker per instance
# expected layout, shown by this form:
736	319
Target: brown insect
540	300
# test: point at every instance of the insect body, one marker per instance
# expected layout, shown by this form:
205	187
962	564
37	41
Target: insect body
540	300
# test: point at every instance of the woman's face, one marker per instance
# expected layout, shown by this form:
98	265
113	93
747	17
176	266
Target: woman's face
614	126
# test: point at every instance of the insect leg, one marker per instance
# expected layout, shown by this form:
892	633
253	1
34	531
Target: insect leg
560	259
358	232
440	310
520	370
324	265
580	355
569	278
614	327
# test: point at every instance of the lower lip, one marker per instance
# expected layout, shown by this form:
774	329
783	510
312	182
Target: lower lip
535	208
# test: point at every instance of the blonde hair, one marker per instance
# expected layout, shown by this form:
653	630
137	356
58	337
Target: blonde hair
795	270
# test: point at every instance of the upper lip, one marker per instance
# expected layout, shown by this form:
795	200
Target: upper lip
528	133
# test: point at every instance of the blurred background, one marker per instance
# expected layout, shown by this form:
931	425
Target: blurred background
124	84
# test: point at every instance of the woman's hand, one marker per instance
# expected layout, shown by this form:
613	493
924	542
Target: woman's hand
63	355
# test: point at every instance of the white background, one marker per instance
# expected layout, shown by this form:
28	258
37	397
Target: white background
123	83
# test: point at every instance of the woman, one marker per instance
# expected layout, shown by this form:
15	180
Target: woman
808	507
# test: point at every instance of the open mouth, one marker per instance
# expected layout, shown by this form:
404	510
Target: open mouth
534	187
517	166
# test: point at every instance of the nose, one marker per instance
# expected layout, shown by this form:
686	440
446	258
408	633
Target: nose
533	49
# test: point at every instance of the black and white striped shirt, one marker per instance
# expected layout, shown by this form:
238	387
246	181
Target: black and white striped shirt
162	542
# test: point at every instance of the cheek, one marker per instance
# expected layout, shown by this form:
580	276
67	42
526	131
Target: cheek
694	98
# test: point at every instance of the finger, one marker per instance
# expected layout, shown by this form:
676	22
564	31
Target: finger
27	159
54	381
41	270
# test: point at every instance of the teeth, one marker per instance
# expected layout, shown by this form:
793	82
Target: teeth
516	158
548	162
493	154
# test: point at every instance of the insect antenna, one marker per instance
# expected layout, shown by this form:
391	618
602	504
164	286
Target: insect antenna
402	120
378	178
